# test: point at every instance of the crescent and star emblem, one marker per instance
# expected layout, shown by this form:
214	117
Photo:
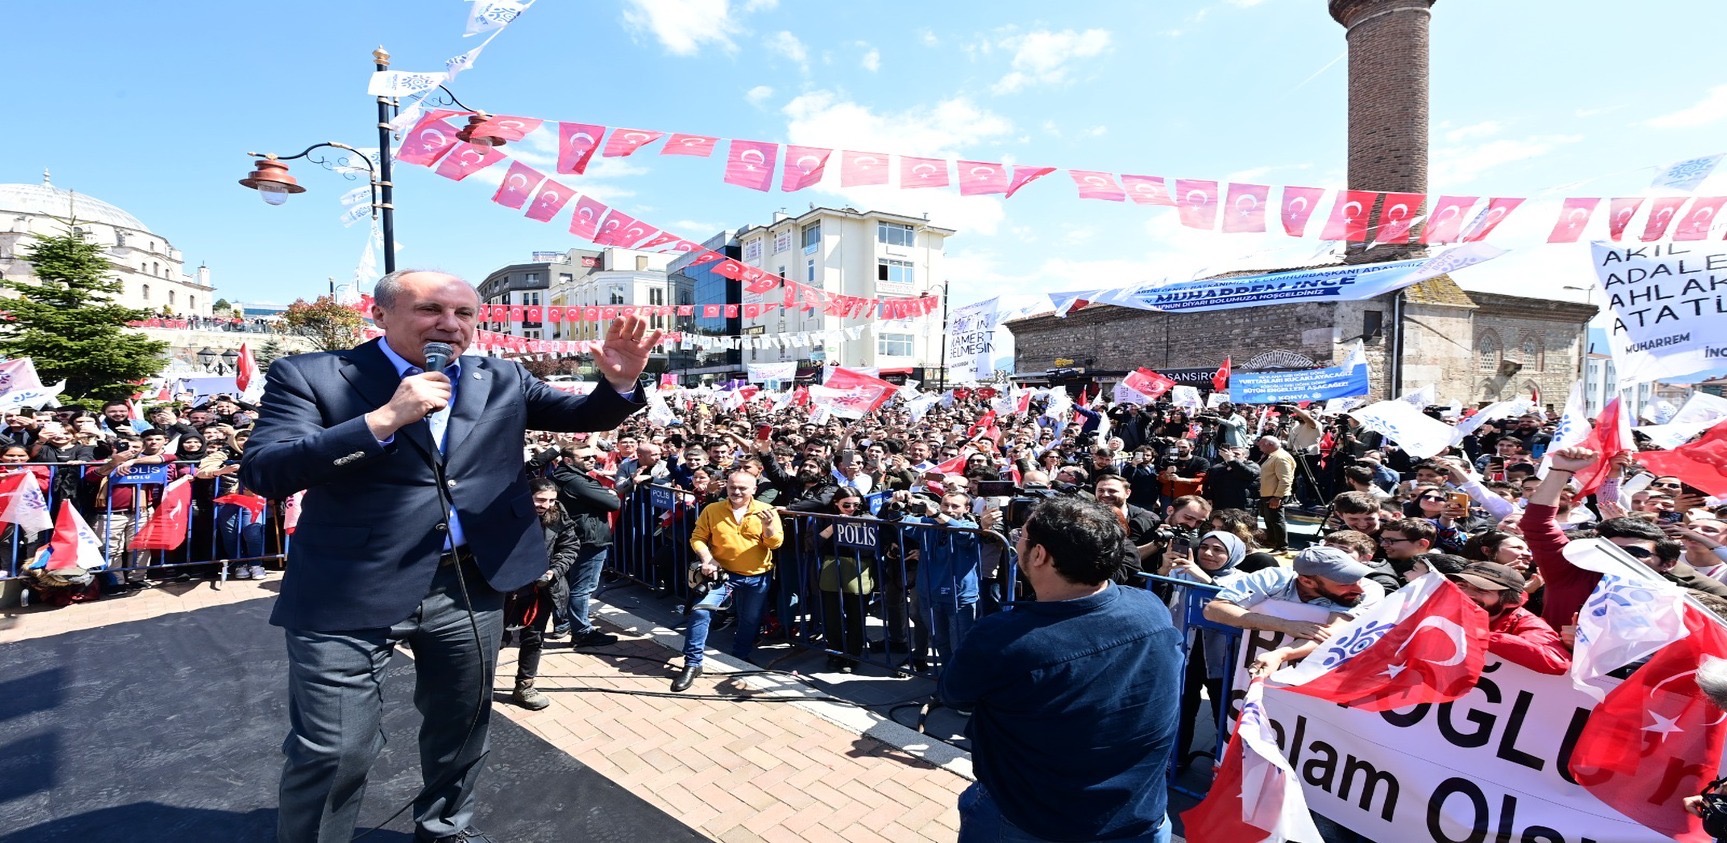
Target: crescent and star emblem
1452	631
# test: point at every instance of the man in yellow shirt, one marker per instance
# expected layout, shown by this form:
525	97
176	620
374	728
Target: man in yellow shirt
1276	482
737	535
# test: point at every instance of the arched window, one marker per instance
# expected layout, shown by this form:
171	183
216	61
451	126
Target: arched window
1534	353
192	303
1488	352
170	298
146	292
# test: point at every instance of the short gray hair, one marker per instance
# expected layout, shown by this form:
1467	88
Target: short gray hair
1712	680
390	286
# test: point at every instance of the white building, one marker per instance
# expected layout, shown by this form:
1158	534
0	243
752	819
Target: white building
871	254
622	277
151	272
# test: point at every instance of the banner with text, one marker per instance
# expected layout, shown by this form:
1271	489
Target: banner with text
972	329
1489	766
1298	385
764	372
1668	301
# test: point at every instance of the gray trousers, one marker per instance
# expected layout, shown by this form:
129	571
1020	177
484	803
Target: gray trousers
336	707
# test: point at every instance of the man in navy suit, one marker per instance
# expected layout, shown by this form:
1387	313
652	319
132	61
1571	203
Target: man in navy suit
417	520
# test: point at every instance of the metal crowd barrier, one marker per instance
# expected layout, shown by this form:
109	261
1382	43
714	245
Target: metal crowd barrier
843	585
218	536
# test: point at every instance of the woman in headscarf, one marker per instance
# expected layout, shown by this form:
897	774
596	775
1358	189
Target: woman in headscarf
1212	562
189	454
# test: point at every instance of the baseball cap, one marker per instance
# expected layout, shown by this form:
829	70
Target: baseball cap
1330	563
1491	576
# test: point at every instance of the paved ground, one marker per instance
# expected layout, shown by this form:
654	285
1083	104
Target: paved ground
736	769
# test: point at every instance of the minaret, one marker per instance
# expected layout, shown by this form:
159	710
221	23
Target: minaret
1388	73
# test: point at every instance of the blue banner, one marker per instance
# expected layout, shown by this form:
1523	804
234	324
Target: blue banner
856	535
1297	385
662	498
141	475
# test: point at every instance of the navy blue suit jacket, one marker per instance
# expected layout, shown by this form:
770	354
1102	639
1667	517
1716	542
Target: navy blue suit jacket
371	525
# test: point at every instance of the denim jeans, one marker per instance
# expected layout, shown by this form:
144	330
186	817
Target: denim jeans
584	579
749	600
980	821
948	626
239	538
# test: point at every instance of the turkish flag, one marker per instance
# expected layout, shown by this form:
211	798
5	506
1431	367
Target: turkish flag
985	422
510	129
1702	463
428	141
658	240
517	313
977	178
1619	214
804	167
844	378
1349	216
620	229
1656	738
1244	208
245	369
585	222
1573	216
1093	184
700	146
1147	382
167	528
555	314
625	142
251	502
576	145
74	544
1424	643
1498	208
751	164
1220	381
953	466
1197	202
922	172
517	186
1024	175
467	159
1695	224
1147	190
1610	435
533	313
1446	221
729	268
1299	203
1255	794
549	200
1397	215
858	169
1661	213
761	283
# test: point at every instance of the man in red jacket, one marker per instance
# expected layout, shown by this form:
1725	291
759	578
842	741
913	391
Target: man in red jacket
1514	633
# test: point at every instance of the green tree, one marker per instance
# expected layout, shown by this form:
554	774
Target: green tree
221	306
268	352
328	325
66	321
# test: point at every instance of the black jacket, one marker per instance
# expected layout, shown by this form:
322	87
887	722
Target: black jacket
1232	485
587	503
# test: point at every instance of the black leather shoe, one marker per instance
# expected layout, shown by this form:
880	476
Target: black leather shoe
466	835
686	679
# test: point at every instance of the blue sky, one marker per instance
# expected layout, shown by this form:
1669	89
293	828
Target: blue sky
152	107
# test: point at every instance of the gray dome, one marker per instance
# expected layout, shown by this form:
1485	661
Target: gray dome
49	201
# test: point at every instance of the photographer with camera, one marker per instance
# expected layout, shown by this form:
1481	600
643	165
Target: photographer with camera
1179	471
1141	525
1233	483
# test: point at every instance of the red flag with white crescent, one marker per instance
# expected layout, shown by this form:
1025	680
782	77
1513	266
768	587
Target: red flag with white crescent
1349	216
1397	215
1424	643
1196	202
977	178
1093	184
751	164
1619	214
1299	203
700	146
1661	214
168	526
585	222
1147	190
1445	223
1498	208
804	167
245	369
427	141
517	186
1697	221
74	544
1573	216
860	169
576	145
1244	208
549	200
467	159
624	142
922	172
1220	381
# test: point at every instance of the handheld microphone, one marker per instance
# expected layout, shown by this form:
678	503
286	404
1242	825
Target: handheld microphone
438	356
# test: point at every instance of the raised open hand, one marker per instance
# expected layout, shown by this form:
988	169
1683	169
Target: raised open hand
624	354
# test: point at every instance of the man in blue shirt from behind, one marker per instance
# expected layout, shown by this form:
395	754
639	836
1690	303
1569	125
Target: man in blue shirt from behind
1073	696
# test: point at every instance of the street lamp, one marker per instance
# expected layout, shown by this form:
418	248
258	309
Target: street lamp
270	176
206	358
231	359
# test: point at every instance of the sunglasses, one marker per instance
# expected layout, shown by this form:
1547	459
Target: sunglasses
1666	486
1433	497
1638	552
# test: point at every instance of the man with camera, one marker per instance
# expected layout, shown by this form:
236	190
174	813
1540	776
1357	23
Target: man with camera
1233	483
1179	471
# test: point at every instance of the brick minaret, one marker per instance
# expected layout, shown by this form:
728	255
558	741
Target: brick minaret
1387	99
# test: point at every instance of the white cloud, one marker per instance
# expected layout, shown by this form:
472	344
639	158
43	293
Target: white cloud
871	59
758	95
1097	131
928	38
1043	57
1458	165
1711	109
788	45
760	5
683	26
942	130
1474	131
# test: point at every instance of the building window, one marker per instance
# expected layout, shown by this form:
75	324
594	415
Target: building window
170	298
753	252
782	241
1534	355
506	297
531	297
641	263
810	271
895	234
192	303
893	345
531	333
146	292
656	296
1488	353
531	278
812	235
899	273
617	295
